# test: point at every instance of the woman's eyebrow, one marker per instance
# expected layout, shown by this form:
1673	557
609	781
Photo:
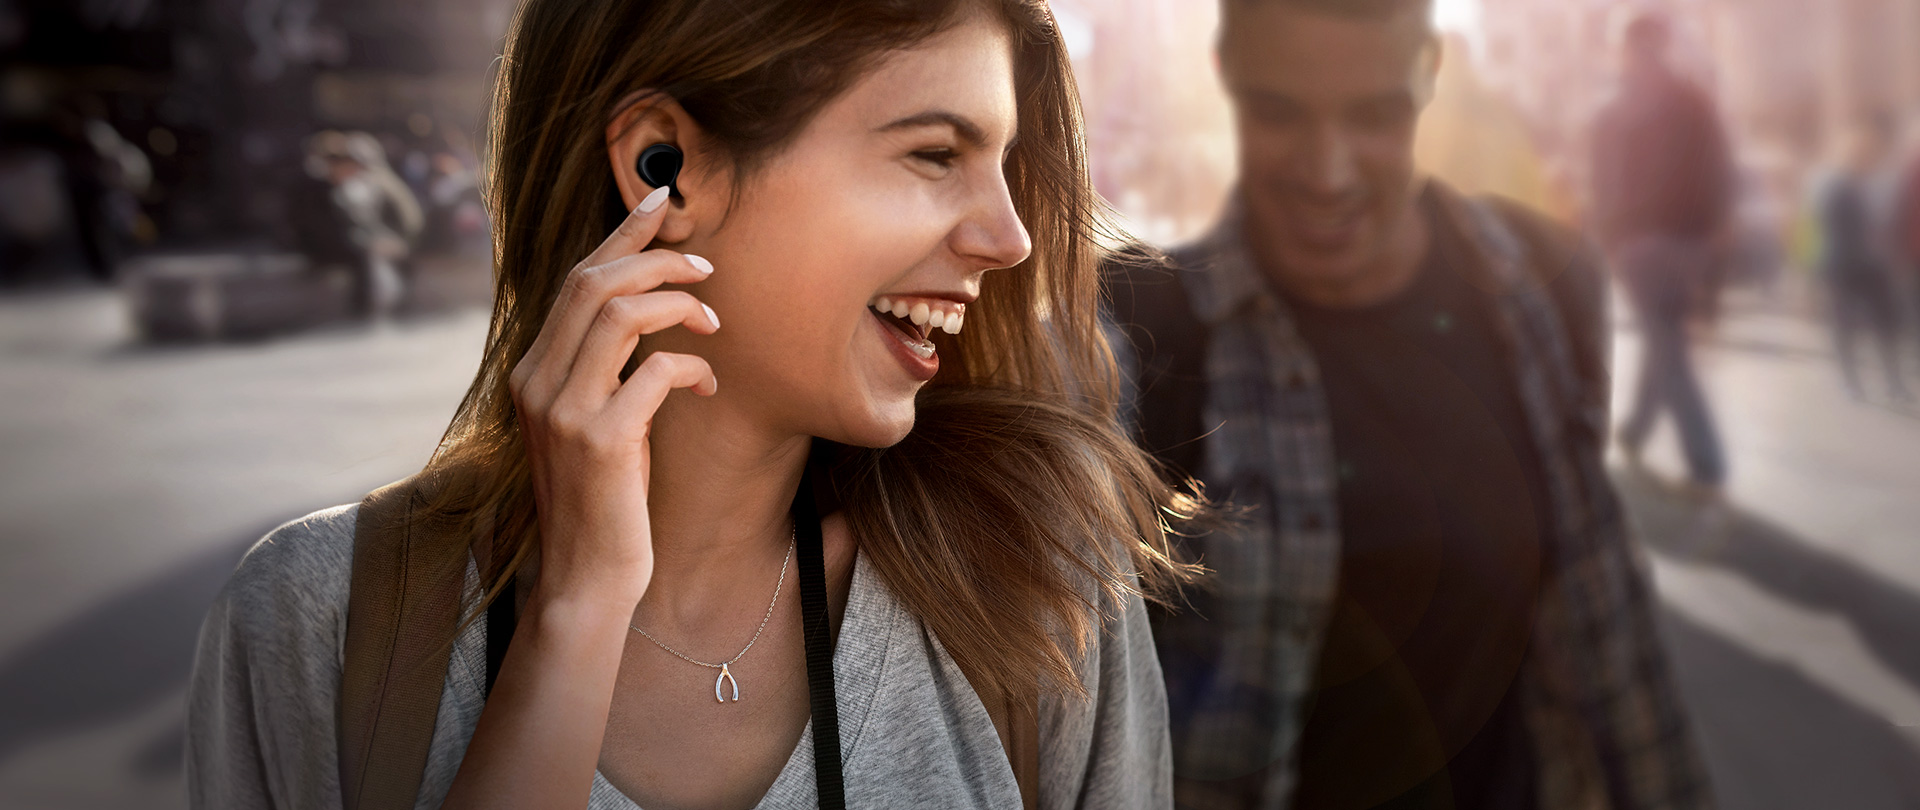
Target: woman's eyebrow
967	130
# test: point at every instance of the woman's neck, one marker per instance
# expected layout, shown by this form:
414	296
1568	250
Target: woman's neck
720	489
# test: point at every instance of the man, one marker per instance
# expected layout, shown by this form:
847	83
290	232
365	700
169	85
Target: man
1662	195
1428	599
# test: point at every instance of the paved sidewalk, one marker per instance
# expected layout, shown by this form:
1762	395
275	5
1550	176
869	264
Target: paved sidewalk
135	477
1793	612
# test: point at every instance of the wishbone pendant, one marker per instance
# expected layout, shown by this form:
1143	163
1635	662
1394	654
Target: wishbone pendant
726	676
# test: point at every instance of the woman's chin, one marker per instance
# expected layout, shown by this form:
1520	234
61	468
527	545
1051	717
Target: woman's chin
883	425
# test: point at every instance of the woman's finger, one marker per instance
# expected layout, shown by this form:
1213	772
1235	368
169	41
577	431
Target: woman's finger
634	232
614	333
640	396
630	237
587	291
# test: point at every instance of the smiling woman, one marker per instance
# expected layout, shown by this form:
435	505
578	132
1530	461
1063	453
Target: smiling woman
886	202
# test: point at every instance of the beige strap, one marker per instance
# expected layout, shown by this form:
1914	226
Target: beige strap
401	612
1017	720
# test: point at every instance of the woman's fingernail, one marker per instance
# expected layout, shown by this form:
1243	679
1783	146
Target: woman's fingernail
653	201
700	264
710	316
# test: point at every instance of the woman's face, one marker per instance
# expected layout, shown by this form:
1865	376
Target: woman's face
894	195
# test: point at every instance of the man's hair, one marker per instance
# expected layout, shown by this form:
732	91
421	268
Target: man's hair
1346	8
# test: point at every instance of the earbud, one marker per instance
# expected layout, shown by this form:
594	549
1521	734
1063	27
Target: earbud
659	165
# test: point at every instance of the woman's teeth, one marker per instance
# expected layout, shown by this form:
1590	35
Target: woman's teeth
943	315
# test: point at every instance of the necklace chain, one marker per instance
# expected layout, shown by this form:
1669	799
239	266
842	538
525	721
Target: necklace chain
756	633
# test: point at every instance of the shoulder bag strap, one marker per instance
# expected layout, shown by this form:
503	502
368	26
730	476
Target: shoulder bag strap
400	610
1567	269
816	623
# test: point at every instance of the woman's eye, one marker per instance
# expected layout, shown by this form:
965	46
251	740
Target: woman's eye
943	158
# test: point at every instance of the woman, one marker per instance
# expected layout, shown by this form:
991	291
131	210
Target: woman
856	174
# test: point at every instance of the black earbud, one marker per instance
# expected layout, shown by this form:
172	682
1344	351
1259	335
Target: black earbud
659	165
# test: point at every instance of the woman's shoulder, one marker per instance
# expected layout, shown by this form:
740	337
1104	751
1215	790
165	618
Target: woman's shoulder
297	572
261	707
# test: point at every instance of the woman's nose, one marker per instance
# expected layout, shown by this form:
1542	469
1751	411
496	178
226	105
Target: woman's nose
994	236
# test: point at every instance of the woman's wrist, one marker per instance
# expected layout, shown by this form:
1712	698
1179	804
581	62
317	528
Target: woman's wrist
571	577
583	602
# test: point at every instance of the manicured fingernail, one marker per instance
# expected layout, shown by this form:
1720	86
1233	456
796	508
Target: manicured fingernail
700	264
710	316
653	201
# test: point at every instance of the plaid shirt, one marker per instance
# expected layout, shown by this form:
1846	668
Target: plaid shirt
1600	709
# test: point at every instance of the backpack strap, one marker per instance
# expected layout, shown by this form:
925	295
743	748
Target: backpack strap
1148	303
401	610
1568	270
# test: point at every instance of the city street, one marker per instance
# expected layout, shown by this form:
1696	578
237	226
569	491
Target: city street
1794	615
135	476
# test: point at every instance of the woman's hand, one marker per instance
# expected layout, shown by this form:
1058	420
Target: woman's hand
586	431
538	739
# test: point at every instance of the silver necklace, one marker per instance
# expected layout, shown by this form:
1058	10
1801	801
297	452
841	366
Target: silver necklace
726	673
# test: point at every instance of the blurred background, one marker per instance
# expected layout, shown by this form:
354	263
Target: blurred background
244	275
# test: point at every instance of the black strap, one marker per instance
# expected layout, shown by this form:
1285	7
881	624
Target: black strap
818	629
503	615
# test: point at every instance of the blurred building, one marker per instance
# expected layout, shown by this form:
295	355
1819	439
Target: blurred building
1789	74
1158	124
220	95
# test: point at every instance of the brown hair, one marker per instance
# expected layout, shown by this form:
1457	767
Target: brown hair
1016	512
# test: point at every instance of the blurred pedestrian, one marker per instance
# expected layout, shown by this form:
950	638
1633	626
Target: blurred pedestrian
101	177
456	213
322	232
1855	201
380	214
1663	184
1432	602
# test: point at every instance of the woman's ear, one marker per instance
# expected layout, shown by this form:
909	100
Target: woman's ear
654	118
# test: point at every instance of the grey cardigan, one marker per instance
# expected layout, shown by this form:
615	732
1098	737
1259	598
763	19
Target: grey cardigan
261	718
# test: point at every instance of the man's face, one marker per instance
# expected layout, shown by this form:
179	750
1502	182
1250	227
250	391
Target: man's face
1327	107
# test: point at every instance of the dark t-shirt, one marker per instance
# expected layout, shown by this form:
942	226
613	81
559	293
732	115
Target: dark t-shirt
1441	521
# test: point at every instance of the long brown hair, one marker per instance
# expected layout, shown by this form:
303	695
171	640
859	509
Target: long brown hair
1016	513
